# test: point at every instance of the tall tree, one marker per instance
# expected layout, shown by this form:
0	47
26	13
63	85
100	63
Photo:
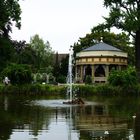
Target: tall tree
43	52
9	12
125	15
24	54
6	52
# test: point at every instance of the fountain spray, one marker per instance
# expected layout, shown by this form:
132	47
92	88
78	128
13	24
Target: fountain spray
70	81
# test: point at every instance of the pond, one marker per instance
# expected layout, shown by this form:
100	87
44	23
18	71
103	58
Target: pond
43	118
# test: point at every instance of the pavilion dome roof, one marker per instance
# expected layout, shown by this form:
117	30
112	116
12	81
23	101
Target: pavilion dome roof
102	47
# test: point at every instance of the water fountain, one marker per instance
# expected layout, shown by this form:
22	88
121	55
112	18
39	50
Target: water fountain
72	100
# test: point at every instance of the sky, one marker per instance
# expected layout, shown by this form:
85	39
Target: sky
61	22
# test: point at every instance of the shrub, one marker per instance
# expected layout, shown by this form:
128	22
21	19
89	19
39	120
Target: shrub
18	73
124	78
88	79
61	79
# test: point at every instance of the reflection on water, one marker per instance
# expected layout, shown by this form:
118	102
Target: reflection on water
108	119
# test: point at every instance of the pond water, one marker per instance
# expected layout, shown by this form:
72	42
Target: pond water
41	118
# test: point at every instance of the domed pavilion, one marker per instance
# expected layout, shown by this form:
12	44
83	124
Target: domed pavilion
97	61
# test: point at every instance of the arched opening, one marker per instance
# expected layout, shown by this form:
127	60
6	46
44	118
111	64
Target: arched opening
100	72
88	72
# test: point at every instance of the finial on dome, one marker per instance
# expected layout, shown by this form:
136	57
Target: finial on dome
101	39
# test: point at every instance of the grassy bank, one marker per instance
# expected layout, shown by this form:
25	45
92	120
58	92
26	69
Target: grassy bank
35	89
80	90
108	90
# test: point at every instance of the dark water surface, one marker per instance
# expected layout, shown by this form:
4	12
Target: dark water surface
26	118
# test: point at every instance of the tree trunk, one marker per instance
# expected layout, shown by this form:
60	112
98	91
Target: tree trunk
137	51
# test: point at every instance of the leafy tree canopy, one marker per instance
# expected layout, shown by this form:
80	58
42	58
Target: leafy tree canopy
43	52
9	12
125	15
6	52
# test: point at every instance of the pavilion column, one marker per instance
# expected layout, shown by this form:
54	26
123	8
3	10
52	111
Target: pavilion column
107	72
92	74
106	110
92	110
119	67
76	74
81	73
